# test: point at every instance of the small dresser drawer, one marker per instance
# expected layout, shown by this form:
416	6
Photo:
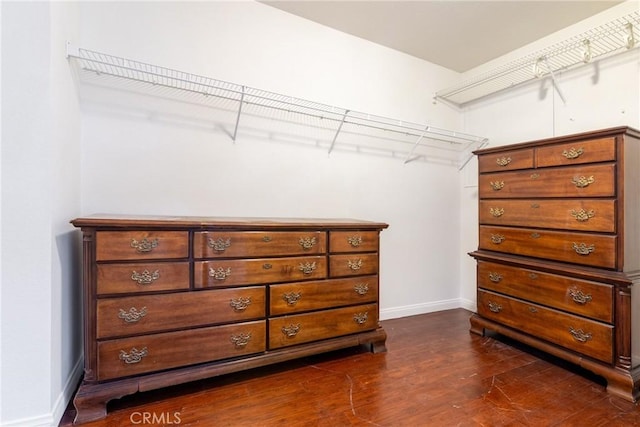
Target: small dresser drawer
258	271
220	244
142	277
124	245
301	328
307	296
576	181
149	353
565	214
590	299
576	333
155	313
580	248
506	160
595	150
353	241
353	265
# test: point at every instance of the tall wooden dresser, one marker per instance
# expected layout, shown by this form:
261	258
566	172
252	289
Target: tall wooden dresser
169	300
558	261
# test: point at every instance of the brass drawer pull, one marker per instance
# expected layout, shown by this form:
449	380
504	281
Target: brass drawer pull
582	215
496	212
307	268
354	241
220	244
220	273
266	239
573	153
307	242
583	181
533	310
578	296
497	186
535	175
495	277
133	315
267	266
535	235
583	249
535	205
361	288
292	298
134	355
495	307
503	161
240	304
354	265
533	276
497	238
291	330
580	335
361	318
145	278
240	340
144	245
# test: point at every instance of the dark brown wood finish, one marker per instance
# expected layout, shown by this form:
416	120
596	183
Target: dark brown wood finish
562	288
170	300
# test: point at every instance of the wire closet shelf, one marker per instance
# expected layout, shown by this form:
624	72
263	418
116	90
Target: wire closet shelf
616	36
331	127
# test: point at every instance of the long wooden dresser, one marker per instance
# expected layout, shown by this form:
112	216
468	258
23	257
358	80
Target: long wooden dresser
169	300
559	250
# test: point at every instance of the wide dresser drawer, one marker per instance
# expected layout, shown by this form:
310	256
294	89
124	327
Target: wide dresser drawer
124	245
585	336
142	277
586	298
302	328
218	244
149	353
154	313
590	151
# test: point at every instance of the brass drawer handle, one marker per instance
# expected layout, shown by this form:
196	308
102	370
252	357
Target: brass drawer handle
134	355
535	175
354	241
535	235
291	330
583	249
583	181
495	307
578	296
496	212
146	277
354	265
133	315
535	205
533	310
220	273
495	277
503	161
240	304
582	215
220	244
361	288
267	266
580	335
292	298
307	268
144	245
497	238
497	185
573	153
240	340
533	276
307	242
361	318
266	239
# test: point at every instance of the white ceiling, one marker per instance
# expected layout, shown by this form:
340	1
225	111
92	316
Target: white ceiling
455	34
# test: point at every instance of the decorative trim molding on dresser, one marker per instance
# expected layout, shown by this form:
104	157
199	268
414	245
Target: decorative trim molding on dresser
169	300
558	261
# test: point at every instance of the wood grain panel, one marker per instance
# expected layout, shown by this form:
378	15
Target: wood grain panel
142	277
590	151
124	245
353	241
506	160
223	244
353	265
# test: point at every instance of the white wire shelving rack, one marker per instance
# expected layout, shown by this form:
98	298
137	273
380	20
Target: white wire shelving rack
279	116
616	36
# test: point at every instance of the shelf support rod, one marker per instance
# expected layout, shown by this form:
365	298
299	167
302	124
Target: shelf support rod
235	130
338	131
408	158
555	82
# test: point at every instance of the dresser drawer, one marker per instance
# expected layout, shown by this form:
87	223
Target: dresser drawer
148	353
576	333
301	328
124	245
154	313
506	160
595	150
353	241
580	248
258	271
219	244
575	181
580	297
567	214
307	296
353	265
142	277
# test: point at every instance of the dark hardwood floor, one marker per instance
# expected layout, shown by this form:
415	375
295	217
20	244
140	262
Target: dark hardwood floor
435	373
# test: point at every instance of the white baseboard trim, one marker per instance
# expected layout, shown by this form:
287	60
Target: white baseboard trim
53	418
423	308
